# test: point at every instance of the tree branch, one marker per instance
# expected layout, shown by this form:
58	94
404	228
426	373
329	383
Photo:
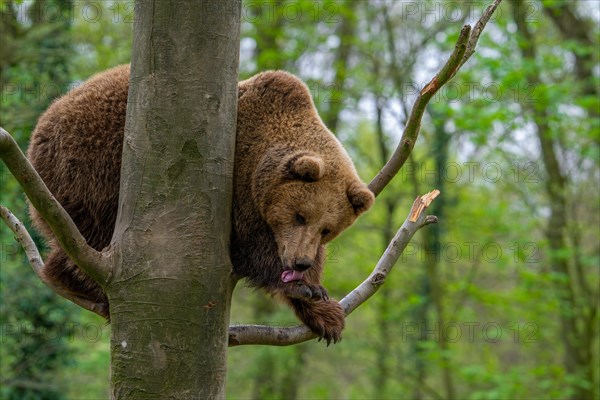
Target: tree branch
465	47
481	23
276	336
37	264
92	262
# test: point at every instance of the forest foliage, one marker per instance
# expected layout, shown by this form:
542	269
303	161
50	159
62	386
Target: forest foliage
498	300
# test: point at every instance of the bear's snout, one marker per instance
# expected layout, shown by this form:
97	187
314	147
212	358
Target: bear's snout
303	263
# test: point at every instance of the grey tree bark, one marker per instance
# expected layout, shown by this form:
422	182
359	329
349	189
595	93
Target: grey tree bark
171	282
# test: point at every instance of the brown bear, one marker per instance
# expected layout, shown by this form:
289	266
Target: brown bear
295	188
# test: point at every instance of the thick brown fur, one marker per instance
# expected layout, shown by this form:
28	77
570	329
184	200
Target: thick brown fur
295	188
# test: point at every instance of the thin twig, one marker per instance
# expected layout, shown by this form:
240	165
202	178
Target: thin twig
276	336
37	264
483	20
464	48
92	262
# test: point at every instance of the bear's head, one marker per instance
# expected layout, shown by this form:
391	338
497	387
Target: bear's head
303	183
310	203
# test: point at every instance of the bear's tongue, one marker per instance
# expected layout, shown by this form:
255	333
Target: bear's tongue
289	275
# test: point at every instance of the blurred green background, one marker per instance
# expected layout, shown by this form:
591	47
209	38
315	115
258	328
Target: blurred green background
499	300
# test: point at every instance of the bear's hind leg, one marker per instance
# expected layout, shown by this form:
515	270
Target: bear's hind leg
63	272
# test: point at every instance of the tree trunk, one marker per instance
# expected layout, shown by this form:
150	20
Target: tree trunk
171	281
578	29
433	238
345	33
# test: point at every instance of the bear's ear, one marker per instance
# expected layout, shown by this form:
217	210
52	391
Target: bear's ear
309	168
360	197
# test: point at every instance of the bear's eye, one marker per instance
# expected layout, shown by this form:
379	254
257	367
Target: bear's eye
300	219
325	232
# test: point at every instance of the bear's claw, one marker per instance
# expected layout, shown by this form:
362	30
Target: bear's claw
319	293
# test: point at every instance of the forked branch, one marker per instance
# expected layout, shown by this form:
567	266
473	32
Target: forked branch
37	264
465	47
274	336
93	262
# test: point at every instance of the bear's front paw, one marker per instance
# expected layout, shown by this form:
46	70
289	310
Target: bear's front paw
325	318
304	291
